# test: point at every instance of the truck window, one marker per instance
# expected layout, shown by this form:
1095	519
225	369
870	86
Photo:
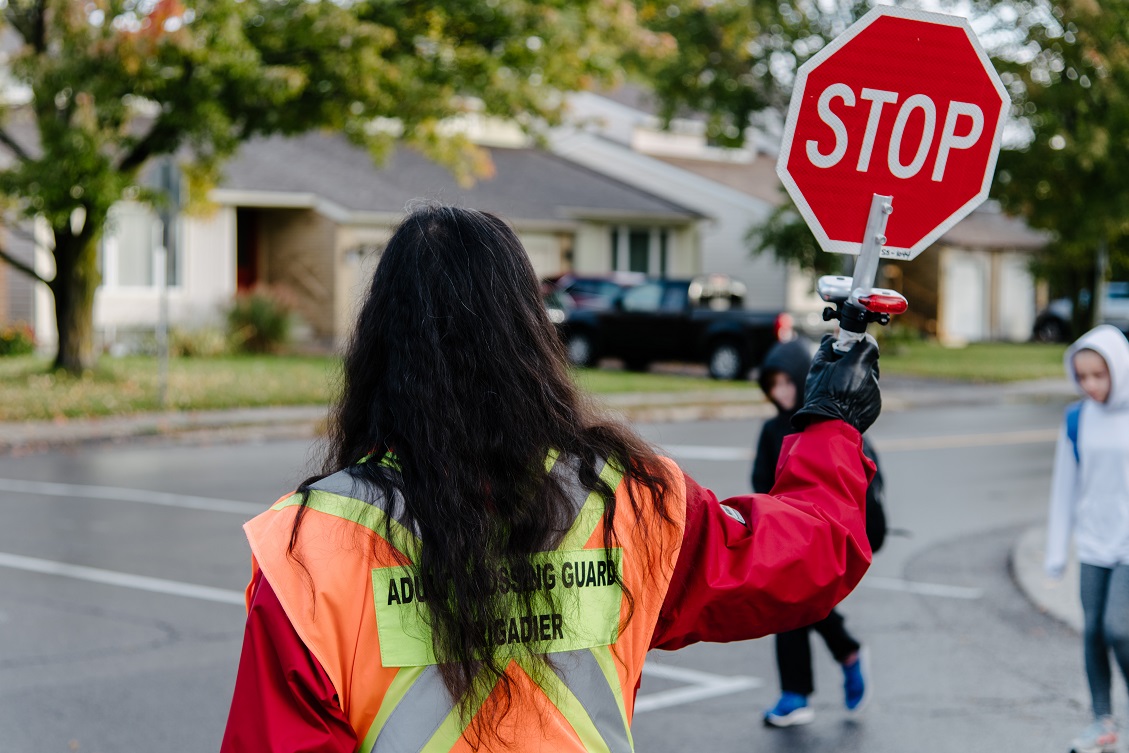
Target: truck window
674	298
593	294
643	298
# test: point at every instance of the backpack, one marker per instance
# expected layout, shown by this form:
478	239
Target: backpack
1073	414
876	527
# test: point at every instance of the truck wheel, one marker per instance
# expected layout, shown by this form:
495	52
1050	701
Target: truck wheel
581	350
725	361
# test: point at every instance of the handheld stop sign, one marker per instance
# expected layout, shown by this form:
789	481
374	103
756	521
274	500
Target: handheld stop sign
902	108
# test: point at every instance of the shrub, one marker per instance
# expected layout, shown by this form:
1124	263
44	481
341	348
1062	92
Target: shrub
259	320
895	337
17	340
207	342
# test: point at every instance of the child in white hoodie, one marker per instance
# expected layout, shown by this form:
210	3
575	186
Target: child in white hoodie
1090	498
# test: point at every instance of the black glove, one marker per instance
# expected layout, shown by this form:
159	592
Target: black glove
842	385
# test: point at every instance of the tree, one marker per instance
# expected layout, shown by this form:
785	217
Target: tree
736	58
113	84
1066	64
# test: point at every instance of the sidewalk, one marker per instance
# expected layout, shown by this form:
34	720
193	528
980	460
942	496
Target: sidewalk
1056	598
898	393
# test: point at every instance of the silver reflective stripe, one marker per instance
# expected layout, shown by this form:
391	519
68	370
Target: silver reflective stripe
341	483
416	717
344	484
566	473
581	673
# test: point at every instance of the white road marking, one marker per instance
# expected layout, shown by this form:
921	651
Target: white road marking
700	685
956	441
922	589
703	452
117	494
125	580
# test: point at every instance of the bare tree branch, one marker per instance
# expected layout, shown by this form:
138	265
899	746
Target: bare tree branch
160	139
22	267
29	21
15	148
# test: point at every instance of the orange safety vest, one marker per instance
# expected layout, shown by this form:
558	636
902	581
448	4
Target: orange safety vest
347	568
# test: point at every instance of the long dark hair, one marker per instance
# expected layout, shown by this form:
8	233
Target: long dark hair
455	367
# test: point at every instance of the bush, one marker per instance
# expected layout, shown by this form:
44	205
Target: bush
259	320
896	337
207	342
17	340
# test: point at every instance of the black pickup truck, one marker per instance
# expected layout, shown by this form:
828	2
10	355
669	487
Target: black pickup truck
699	320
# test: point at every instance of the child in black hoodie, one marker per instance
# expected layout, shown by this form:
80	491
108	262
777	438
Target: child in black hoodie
782	376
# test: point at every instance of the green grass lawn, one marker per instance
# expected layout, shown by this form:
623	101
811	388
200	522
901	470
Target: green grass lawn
977	362
30	392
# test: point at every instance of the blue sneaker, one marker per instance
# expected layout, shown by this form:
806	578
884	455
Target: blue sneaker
856	682
790	710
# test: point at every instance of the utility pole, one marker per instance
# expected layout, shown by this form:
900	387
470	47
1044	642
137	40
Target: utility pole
169	182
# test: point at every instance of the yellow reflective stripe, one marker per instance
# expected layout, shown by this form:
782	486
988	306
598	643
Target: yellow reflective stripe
569	705
590	515
454	725
361	513
606	660
399	688
551	459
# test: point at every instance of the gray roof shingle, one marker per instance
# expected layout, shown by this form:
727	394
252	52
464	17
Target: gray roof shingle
528	184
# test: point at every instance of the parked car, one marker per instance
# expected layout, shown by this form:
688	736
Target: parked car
1053	324
699	320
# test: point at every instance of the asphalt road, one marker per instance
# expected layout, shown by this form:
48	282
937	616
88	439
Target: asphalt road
121	571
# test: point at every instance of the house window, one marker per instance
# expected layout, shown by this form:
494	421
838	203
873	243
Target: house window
639	249
129	248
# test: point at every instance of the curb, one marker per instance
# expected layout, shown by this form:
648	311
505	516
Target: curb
1056	598
33	436
249	423
899	393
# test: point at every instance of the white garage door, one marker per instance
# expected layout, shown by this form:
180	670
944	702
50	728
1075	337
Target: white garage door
964	295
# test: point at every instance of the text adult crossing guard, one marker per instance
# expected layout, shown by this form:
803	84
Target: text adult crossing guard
903	111
574	602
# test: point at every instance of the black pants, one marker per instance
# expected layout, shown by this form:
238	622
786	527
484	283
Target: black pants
793	652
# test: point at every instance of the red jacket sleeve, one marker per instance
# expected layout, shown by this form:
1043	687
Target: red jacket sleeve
782	560
284	700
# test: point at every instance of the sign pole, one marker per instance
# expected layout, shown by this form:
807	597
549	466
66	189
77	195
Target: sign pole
853	316
866	265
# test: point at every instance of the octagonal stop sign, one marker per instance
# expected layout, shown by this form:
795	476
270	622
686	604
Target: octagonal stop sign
905	104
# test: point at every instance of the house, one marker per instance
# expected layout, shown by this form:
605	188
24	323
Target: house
973	284
312	213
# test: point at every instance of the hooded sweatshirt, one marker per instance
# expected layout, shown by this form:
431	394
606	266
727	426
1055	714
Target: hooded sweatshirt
1090	495
793	359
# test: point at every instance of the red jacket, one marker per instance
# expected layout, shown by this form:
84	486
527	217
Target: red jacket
770	563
